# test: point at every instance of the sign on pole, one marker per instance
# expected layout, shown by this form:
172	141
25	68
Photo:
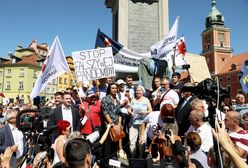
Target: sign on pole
93	64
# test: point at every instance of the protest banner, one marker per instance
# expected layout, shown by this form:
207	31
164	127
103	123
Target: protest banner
93	64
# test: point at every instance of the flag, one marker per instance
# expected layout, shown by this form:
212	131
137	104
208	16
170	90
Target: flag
164	46
1	94
54	66
179	54
244	77
181	47
102	40
125	59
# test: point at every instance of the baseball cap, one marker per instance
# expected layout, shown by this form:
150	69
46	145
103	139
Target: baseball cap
120	81
90	93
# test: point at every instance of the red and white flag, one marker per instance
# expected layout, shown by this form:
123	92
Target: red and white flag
54	66
179	54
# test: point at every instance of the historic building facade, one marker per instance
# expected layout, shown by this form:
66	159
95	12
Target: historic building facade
216	47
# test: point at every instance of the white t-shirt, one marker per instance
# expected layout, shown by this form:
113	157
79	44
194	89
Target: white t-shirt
171	97
205	132
153	119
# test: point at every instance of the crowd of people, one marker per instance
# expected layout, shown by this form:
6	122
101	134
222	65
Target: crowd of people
168	125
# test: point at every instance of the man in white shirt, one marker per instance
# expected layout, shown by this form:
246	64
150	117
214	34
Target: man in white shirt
65	112
10	136
202	128
166	95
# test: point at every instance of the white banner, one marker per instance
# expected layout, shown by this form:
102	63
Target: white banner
93	64
164	46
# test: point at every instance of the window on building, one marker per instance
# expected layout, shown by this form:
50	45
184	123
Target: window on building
54	81
35	74
228	78
1	86
240	91
60	80
21	73
54	90
33	84
1	73
220	79
239	76
207	41
9	72
21	85
65	81
221	39
228	88
8	85
48	90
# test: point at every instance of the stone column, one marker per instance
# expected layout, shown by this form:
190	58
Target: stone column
138	24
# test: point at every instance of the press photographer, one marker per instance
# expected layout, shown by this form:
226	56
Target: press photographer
167	142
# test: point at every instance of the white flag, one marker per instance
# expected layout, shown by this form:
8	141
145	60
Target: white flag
163	47
179	54
54	66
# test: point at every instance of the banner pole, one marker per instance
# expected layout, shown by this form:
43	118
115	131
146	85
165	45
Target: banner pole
73	80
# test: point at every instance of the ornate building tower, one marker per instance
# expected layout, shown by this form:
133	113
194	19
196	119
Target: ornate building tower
216	41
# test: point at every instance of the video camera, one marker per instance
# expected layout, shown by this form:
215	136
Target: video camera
208	90
33	124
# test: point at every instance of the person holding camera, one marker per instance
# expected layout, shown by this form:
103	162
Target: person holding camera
154	121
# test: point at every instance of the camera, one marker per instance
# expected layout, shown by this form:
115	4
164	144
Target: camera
33	124
208	90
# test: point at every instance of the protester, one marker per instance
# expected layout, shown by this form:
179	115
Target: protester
166	95
193	141
237	134
111	110
221	135
175	84
140	107
129	85
202	128
64	130
5	158
65	112
58	99
240	105
91	114
184	108
11	137
100	87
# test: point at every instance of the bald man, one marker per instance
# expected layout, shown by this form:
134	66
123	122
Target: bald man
238	136
202	128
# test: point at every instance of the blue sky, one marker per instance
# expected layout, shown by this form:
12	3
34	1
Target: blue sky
76	22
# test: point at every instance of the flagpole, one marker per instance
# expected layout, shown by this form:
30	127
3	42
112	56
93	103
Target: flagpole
173	59
73	80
